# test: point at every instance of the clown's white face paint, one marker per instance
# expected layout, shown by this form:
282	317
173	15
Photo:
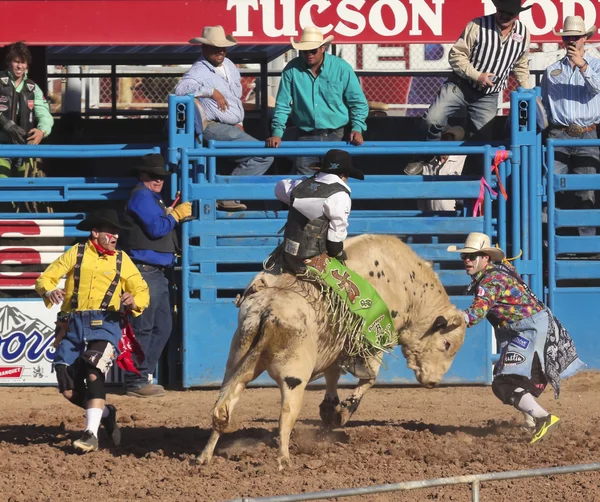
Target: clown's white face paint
107	240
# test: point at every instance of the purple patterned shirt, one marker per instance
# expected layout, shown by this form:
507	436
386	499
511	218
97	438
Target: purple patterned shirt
500	296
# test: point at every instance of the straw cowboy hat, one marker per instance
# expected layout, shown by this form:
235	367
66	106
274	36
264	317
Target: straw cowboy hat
479	243
215	36
312	38
512	6
575	26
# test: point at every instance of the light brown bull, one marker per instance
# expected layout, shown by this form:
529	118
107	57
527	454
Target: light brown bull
284	329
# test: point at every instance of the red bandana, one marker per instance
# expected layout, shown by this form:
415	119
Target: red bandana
101	250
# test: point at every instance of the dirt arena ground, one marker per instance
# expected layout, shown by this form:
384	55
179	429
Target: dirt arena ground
398	434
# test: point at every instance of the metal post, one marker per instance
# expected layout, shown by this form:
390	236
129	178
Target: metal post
264	98
475	491
114	90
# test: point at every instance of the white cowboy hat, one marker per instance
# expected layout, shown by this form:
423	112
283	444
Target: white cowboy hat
215	36
312	38
575	26
479	243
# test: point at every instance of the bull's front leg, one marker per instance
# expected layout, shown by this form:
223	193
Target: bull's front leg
348	407
327	408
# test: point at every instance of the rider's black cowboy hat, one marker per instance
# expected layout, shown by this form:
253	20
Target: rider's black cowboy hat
152	164
102	218
340	162
512	6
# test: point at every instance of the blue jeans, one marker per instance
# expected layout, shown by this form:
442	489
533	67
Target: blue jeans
302	165
246	166
577	160
153	327
481	109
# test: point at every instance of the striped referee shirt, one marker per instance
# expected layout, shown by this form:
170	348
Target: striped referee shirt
481	49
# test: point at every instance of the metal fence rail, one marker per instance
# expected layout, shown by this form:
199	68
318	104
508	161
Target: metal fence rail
474	480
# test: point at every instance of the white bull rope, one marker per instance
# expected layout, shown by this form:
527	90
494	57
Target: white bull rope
474	480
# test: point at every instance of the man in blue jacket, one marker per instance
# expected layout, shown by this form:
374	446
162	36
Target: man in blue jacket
151	242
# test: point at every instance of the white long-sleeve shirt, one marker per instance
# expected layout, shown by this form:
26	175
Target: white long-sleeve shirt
336	208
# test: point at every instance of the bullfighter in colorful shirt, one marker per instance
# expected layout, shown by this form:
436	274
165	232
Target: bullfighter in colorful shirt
535	348
99	280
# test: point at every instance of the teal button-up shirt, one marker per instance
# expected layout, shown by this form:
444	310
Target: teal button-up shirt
328	101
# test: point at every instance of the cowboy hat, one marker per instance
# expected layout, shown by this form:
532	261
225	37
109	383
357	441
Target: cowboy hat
152	164
339	162
479	243
215	36
512	6
101	218
312	38
455	133
575	26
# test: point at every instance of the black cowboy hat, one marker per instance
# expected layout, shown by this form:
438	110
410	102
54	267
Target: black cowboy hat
101	218
340	162
512	6
152	164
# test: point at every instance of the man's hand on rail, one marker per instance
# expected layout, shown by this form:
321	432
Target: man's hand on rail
356	138
273	142
182	211
35	137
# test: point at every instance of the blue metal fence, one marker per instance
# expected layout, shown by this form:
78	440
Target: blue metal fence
221	251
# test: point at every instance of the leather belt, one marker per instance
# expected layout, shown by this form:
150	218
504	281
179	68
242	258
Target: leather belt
146	266
575	130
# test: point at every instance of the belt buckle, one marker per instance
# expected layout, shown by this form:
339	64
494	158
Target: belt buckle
574	130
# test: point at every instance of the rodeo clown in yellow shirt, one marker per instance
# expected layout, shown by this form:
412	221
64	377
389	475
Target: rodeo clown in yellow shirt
99	280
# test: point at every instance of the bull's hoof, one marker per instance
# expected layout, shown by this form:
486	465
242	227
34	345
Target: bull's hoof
203	459
328	412
283	462
345	411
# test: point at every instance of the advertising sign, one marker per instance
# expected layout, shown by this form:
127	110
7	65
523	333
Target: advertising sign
159	22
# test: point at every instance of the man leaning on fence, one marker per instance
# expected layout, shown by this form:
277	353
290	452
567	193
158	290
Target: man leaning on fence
151	241
322	95
24	113
99	279
488	49
216	83
571	97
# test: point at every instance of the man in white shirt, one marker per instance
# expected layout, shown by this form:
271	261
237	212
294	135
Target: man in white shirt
319	208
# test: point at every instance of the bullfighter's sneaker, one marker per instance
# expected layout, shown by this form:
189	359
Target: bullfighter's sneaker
544	426
86	443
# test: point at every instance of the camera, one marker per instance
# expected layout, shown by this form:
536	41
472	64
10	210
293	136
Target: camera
494	79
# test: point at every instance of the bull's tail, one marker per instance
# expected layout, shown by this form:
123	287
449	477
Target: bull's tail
236	381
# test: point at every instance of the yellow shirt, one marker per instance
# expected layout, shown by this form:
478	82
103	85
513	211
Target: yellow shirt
97	272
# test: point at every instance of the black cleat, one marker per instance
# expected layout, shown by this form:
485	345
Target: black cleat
86	443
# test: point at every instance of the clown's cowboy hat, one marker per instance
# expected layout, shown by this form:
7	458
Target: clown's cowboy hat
311	38
574	26
512	6
215	36
479	243
102	218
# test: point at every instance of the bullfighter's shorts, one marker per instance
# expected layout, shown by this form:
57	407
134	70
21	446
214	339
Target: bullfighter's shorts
86	326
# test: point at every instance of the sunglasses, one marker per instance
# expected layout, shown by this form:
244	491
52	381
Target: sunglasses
470	256
312	51
572	37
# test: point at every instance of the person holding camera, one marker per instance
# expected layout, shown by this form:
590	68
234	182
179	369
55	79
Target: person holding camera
489	48
571	97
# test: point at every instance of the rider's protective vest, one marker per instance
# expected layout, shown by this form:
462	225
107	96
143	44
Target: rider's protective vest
17	106
304	238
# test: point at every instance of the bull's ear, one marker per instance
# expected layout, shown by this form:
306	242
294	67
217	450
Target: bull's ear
440	323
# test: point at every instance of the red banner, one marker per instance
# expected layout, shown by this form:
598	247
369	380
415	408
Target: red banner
154	22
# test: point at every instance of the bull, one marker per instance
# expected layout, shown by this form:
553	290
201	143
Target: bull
285	329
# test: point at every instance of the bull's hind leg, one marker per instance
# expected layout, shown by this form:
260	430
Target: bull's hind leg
327	408
222	415
292	394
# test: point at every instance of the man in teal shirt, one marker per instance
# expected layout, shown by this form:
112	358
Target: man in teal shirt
322	94
24	113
